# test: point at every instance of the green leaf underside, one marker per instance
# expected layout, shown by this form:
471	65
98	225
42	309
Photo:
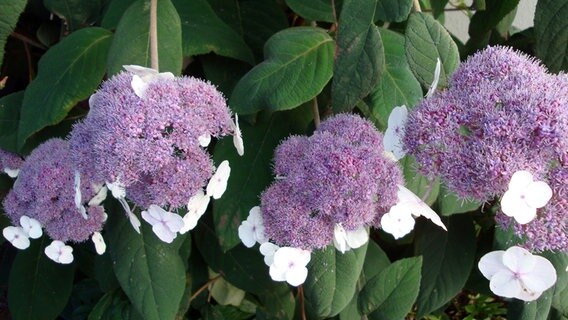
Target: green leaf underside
11	10
68	73
551	33
298	64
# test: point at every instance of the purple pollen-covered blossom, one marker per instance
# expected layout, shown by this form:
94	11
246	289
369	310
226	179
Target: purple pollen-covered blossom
338	175
45	191
502	113
10	161
151	144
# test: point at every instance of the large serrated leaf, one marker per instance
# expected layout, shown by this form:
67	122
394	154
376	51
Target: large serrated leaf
204	32
251	173
68	73
150	272
332	279
360	57
391	293
551	33
298	64
397	85
131	43
427	40
448	260
484	20
38	288
11	10
10	107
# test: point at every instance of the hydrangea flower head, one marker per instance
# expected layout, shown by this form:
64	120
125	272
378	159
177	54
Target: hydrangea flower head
45	191
10	163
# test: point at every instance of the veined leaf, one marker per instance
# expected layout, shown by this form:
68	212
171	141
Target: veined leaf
11	10
551	33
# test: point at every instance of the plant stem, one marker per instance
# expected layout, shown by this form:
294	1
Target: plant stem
203	287
154	35
302	306
315	111
417	6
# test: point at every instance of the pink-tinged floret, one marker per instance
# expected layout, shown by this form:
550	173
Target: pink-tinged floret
45	191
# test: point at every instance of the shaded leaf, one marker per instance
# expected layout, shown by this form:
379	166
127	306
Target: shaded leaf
417	183
115	10
76	13
316	10
483	21
449	203
534	310
393	10
10	106
114	305
11	10
551	33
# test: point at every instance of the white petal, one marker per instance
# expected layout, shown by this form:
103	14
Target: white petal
78	197
268	249
139	86
246	234
491	263
204	140
398	221
518	260
164	224
117	189
340	238
99	197
17	237
237	138
164	233
140	71
504	284
520	180
392	140
66	255
297	275
389	155
196	207
277	273
527	295
417	207
31	227
218	183
539	194
59	252
100	245
12	173
542	276
434	84
189	222
131	216
357	238
92	100
511	202
524	215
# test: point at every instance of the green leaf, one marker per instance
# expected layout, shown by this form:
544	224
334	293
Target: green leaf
376	261
76	13
534	310
298	65
38	288
114	305
551	33
360	58
332	279
418	183
393	10
448	260
223	72
11	10
149	271
427	40
483	21
68	73
131	42
449	203
397	85
391	294
10	106
560	298
114	12
277	304
316	10
204	32
251	173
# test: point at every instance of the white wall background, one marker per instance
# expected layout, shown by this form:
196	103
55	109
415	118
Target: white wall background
457	22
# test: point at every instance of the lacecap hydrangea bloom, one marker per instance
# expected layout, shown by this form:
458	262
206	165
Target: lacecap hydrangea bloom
46	191
10	163
339	176
502	113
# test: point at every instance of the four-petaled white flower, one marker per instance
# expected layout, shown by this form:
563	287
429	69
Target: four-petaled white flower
117	189
345	240
268	249
164	224
101	195
31	227
392	139
238	137
143	77
195	209
100	245
17	237
251	230
204	140
516	273
436	79
78	197
525	196
290	265
398	220
218	182
59	252
12	173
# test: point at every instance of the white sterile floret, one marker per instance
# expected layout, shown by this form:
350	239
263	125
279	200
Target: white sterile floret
164	224
251	230
118	191
238	137
31	227
218	182
59	252
100	245
290	265
101	195
78	197
17	237
525	196
268	249
195	209
143	77
392	139
398	220
516	273
12	173
434	84
204	140
345	240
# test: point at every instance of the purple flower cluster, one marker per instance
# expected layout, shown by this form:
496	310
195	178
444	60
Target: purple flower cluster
10	161
45	191
503	112
338	175
151	144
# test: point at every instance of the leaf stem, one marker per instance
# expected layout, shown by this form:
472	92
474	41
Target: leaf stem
315	111
203	287
302	306
154	35
417	6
